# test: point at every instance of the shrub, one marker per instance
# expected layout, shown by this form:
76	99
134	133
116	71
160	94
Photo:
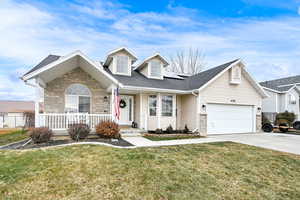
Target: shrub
186	129
108	129
169	129
159	131
289	118
40	135
79	131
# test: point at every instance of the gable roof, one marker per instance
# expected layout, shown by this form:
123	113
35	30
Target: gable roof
49	59
137	79
282	84
198	80
39	70
109	55
165	62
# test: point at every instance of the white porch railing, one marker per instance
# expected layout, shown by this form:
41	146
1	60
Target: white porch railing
61	121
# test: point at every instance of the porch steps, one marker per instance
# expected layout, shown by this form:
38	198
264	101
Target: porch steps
131	132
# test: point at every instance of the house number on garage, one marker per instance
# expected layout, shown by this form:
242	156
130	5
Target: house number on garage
232	100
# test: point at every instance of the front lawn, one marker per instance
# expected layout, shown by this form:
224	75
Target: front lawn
13	136
160	138
199	171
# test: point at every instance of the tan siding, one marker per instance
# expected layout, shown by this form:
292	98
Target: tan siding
144	70
179	111
188	111
221	91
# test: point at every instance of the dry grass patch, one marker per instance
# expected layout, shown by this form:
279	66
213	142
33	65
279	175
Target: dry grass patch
200	171
13	136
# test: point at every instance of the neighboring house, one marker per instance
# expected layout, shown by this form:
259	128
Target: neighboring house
283	96
224	99
12	113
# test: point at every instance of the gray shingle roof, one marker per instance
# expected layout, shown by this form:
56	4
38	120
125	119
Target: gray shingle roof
190	83
277	84
139	80
49	59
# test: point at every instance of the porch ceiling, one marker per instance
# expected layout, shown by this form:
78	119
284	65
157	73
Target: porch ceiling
69	65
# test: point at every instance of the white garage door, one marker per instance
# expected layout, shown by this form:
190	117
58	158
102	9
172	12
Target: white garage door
223	119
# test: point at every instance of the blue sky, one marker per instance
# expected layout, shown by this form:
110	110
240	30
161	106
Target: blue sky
265	34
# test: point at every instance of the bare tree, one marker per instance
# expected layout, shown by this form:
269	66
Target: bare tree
191	62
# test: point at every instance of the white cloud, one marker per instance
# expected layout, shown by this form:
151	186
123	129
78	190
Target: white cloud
270	47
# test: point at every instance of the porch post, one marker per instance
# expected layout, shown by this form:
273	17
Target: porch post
37	104
112	104
159	111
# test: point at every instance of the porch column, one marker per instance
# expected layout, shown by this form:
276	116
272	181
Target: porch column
159	111
37	104
112	104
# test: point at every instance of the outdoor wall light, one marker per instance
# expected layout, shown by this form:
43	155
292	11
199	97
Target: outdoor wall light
259	108
105	98
203	107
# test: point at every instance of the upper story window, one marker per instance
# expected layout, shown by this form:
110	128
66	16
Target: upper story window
77	99
122	64
155	68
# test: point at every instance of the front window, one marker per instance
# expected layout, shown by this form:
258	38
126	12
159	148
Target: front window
155	68
77	99
167	106
122	64
152	105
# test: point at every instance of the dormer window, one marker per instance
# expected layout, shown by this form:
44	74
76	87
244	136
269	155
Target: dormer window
155	69
120	61
122	64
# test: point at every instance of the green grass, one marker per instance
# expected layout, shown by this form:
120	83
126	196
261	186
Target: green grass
13	136
159	138
200	171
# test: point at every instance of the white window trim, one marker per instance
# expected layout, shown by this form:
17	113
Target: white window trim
156	105
232	79
78	101
150	69
115	65
173	104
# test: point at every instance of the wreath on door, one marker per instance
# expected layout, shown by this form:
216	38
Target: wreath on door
122	103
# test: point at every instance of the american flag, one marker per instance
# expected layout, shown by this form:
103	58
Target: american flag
117	103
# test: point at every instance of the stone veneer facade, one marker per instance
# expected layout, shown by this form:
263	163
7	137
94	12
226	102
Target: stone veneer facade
54	93
203	125
258	123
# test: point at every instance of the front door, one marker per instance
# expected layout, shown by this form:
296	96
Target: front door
126	110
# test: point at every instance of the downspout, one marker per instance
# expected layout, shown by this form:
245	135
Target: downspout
193	93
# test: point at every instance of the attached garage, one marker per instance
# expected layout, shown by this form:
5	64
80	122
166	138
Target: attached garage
225	118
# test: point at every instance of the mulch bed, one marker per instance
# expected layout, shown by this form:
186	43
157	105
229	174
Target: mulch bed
59	140
171	134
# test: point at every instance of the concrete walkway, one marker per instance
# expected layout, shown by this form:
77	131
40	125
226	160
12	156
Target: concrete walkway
275	141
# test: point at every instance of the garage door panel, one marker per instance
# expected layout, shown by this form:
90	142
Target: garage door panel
223	119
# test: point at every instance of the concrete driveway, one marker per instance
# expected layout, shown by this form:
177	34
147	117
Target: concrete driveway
276	141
